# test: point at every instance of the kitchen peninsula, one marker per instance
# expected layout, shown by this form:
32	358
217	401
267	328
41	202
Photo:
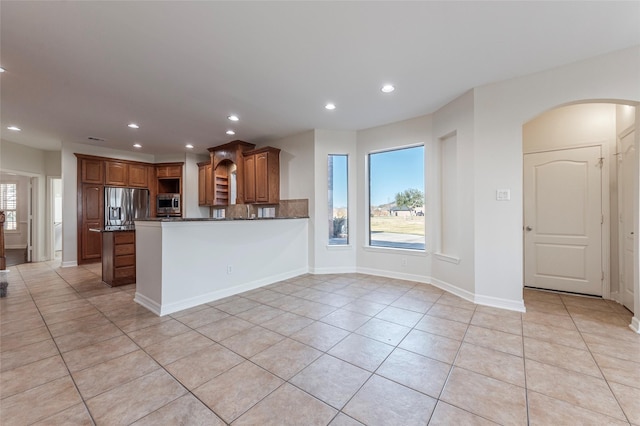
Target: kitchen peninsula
181	262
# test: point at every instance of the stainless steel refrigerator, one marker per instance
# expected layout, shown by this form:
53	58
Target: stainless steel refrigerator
124	205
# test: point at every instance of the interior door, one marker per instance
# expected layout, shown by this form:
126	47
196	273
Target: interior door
563	220
626	169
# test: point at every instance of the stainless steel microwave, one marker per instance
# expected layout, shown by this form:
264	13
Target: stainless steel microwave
168	204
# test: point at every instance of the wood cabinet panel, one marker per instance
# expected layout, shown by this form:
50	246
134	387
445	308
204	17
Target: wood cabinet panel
169	171
90	215
123	249
91	171
262	176
250	179
138	176
125	238
125	261
116	173
202	173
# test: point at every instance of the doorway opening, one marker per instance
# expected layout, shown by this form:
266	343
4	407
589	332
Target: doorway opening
580	173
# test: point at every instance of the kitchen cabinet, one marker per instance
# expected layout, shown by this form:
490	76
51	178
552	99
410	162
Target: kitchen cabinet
205	184
138	176
220	180
119	257
90	215
91	171
169	170
116	173
262	176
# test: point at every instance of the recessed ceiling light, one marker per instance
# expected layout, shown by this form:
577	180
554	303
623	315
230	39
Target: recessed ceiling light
388	88
134	126
137	145
2	69
189	146
330	106
233	118
231	132
14	128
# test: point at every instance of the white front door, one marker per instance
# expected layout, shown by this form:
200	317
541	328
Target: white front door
626	168
563	220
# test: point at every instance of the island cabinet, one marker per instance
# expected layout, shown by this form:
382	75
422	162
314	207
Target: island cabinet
262	176
119	257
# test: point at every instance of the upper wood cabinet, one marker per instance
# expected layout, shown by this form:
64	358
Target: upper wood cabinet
138	176
262	176
221	179
91	171
117	173
205	184
169	171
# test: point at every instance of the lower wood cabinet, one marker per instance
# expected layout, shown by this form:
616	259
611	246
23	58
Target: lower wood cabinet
119	258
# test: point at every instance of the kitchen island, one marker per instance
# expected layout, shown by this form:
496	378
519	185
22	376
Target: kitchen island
118	254
182	262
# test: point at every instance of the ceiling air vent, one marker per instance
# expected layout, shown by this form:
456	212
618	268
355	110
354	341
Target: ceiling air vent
91	138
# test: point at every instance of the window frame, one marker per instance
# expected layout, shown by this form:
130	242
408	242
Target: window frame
348	218
384	249
3	202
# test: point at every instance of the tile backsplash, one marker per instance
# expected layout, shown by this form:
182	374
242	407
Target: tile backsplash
286	208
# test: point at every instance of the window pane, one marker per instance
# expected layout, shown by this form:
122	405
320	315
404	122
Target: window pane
10	222
338	200
396	197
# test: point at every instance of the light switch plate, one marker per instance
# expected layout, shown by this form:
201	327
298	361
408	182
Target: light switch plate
503	194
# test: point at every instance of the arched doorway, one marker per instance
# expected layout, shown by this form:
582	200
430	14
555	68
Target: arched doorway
580	192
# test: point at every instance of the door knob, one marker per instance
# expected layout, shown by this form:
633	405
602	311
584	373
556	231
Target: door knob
528	228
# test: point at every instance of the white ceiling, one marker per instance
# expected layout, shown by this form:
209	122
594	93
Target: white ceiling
178	69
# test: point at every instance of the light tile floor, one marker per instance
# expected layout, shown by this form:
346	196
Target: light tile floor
335	349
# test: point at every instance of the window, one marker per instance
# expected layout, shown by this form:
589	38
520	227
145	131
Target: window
396	198
338	199
9	203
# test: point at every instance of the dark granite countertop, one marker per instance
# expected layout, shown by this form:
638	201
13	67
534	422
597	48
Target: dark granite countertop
209	219
114	228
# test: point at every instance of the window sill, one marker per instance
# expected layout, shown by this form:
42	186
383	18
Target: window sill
410	252
447	258
339	247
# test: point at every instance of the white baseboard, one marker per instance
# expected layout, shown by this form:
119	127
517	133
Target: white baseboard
635	324
450	288
69	263
147	303
170	308
393	274
336	270
497	302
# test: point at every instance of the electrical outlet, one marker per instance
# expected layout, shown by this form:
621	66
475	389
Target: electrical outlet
403	261
229	269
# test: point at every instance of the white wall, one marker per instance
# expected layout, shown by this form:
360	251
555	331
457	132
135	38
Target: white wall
456	117
70	191
382	261
501	109
334	259
297	176
190	186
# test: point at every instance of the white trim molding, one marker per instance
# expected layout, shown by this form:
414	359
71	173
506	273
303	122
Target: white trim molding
69	263
447	258
395	275
635	324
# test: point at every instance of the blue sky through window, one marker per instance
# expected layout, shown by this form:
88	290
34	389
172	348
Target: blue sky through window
394	171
